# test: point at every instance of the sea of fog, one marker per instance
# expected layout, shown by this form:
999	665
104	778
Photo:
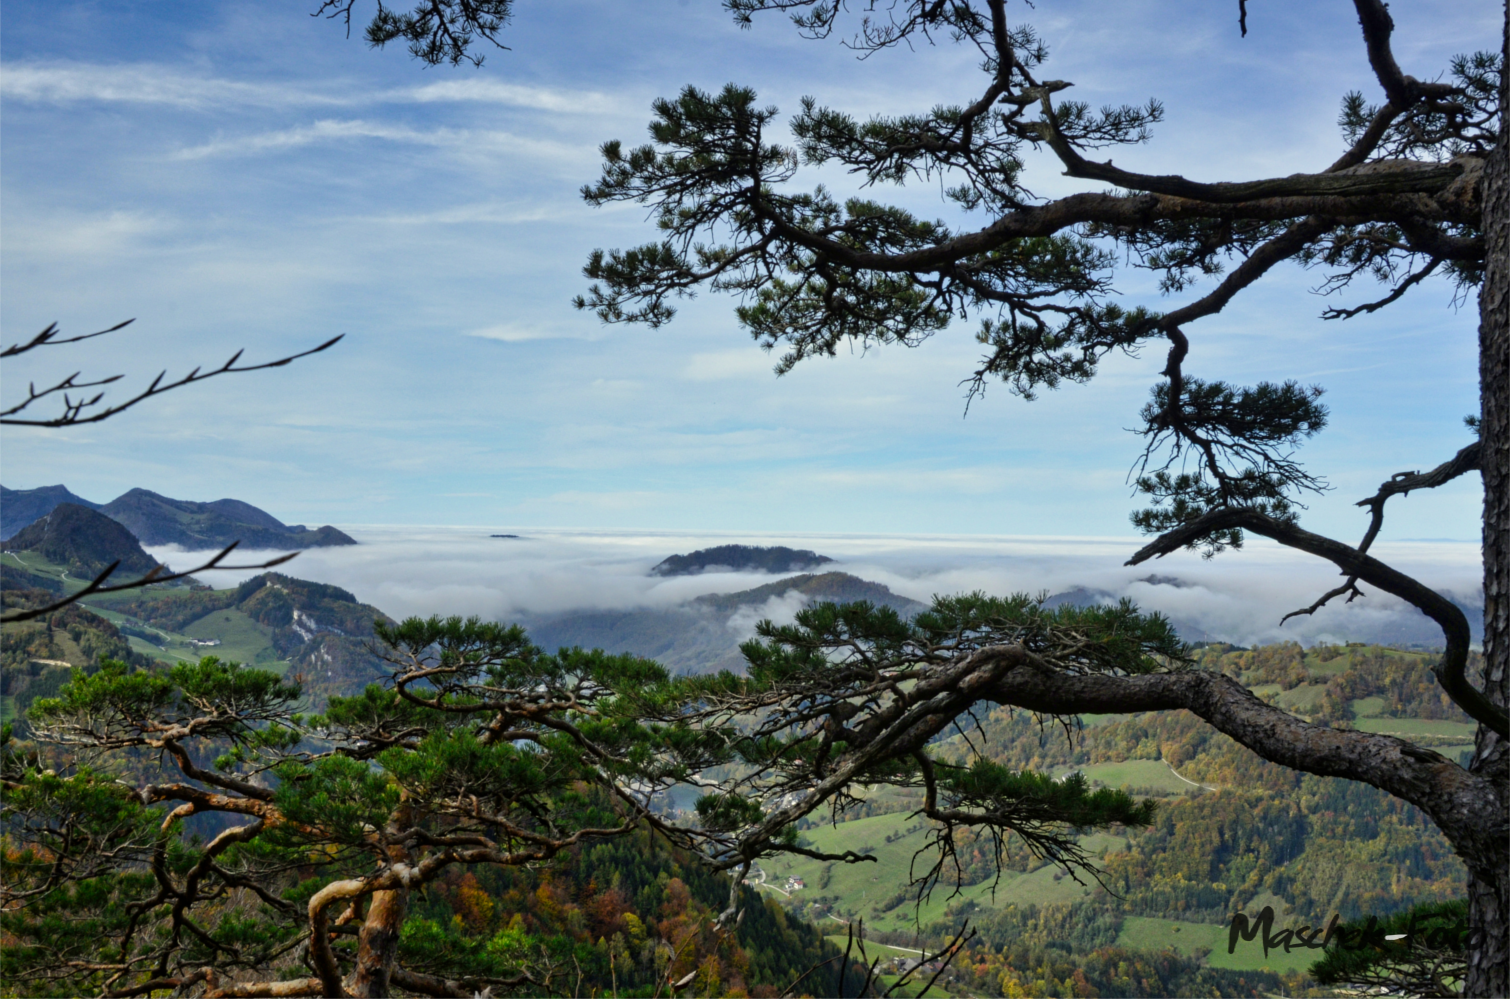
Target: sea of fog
1236	597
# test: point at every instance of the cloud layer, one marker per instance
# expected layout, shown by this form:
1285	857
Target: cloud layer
1239	597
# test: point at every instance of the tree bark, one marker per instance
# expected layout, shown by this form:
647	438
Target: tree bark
1489	899
378	948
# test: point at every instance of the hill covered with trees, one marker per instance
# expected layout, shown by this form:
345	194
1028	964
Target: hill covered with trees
740	558
82	542
703	635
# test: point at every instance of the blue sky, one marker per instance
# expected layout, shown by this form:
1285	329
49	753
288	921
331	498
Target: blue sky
243	175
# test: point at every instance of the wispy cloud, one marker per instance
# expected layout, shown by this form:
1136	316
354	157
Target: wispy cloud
496	92
336	130
151	83
497	212
514	334
144	83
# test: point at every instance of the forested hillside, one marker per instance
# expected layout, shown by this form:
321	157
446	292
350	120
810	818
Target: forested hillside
625	915
39	657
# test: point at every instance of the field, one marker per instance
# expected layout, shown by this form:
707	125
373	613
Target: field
886	951
860	890
1143	775
876	891
241	639
34	563
1441	728
866	889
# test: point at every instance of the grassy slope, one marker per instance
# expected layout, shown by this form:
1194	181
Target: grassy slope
1144	775
33	562
1444	728
864	886
242	639
860	887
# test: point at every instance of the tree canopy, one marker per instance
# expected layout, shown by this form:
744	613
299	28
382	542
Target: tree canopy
193	828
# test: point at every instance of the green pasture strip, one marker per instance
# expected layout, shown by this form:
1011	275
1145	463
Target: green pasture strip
1365	708
871	947
241	638
148	649
862	887
1302	698
1460	752
34	563
1142	774
916	982
1340	664
1154	934
1419	727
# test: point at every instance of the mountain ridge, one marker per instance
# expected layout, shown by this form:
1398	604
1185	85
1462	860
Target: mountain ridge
703	635
18	508
155	519
160	520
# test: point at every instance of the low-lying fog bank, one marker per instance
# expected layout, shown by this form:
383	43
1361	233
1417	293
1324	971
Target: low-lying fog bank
1236	597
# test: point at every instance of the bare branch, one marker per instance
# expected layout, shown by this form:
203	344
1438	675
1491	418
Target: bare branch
1466	460
156	575
1364	567
74	410
1414	278
48	338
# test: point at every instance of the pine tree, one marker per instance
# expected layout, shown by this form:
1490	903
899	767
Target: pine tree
1419	189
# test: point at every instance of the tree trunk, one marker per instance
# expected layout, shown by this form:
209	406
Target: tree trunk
378	943
1489	893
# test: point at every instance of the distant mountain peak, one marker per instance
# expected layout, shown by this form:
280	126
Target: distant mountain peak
83	542
18	508
160	520
759	558
840	588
